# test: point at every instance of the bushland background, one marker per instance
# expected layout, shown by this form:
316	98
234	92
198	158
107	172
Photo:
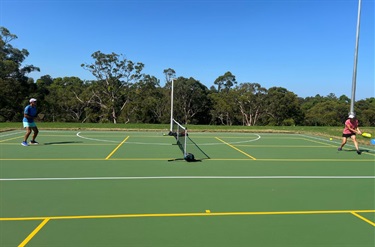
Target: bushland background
122	94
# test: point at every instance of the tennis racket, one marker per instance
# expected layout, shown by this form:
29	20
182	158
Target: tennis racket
367	135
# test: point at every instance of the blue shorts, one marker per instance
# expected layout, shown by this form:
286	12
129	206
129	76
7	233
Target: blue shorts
27	124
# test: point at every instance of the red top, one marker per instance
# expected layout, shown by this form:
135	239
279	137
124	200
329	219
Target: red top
352	123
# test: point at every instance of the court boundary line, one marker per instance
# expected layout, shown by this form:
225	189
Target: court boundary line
183	177
207	213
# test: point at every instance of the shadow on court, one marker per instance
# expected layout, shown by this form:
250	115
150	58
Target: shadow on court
57	143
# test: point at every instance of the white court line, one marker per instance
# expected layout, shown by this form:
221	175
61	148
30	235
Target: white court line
337	143
10	134
102	140
165	144
188	177
93	139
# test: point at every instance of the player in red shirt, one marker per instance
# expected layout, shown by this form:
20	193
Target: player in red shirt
350	130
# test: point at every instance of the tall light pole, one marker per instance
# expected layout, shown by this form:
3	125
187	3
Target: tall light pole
354	78
171	128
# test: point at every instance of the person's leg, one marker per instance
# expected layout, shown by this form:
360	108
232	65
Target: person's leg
28	132
344	140
355	143
36	131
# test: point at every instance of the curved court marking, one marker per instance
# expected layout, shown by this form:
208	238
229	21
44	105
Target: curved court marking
231	143
94	139
257	137
188	177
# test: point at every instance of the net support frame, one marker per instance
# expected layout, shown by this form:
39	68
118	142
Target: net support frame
184	131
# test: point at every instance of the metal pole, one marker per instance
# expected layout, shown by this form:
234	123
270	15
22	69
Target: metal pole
354	78
171	128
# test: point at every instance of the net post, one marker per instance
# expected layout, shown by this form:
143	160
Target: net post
185	144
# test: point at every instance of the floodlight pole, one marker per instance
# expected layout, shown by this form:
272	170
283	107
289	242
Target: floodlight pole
171	128
354	78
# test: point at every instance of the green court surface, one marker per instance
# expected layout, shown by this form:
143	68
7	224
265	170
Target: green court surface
127	188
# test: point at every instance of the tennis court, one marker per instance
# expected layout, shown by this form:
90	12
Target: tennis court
120	188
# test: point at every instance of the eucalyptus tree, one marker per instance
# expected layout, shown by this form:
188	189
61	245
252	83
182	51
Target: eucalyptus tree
325	113
68	100
149	102
114	74
283	107
365	110
15	86
224	109
250	101
191	102
169	74
225	82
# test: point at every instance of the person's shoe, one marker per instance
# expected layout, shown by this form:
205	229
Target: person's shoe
24	144
34	142
359	152
339	149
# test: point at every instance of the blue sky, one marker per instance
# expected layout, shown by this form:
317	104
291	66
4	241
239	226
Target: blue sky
305	46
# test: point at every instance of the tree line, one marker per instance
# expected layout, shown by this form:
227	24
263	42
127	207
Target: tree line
121	93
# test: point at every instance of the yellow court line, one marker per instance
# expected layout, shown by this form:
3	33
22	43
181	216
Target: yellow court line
118	146
239	150
189	214
363	218
33	233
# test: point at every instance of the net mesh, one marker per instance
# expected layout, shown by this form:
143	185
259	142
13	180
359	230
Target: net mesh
180	133
190	150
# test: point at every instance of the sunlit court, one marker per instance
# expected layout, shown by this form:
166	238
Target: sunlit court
127	188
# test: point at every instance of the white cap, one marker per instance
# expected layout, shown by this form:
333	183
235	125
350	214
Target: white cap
32	100
351	116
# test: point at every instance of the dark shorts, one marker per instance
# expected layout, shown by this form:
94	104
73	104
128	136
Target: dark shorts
348	135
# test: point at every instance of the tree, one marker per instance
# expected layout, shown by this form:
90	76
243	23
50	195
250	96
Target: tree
68	100
169	74
225	82
114	75
15	86
325	113
224	107
366	111
251	102
148	103
191	100
283	107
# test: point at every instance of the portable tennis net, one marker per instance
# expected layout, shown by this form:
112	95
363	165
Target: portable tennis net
190	150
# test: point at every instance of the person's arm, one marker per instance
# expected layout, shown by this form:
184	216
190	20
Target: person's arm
356	130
